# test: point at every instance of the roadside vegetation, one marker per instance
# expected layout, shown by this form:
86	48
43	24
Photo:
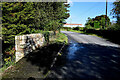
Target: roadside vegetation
21	18
96	26
42	58
60	37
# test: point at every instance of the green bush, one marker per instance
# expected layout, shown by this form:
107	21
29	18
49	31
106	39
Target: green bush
46	35
8	57
81	28
89	27
67	28
114	27
76	28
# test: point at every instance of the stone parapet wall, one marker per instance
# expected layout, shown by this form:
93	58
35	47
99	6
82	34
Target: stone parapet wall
24	44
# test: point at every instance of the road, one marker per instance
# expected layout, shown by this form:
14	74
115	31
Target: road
87	58
89	39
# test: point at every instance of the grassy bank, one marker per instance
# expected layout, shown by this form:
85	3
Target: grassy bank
60	37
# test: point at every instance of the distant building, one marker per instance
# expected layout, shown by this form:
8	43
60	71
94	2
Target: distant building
73	25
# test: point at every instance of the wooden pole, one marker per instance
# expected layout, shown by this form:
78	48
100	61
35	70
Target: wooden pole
106	15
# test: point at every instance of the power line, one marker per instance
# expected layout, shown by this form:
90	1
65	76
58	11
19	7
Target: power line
87	11
94	6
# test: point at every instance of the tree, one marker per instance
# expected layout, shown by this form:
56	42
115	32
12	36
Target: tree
102	19
59	14
49	13
98	20
16	19
102	22
90	22
24	17
116	11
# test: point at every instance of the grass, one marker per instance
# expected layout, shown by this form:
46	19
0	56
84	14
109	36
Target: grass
5	68
76	31
63	29
60	37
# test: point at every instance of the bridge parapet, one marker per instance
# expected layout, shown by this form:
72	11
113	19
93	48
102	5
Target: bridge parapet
24	44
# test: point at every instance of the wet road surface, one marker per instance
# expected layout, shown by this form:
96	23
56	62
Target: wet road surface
87	59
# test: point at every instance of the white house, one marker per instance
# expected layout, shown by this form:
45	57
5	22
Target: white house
73	25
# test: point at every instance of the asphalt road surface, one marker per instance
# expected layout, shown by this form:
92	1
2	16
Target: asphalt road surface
88	39
87	57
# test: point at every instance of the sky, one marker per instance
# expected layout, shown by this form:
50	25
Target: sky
80	11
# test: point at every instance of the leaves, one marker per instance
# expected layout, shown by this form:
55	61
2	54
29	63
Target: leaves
23	17
116	11
98	20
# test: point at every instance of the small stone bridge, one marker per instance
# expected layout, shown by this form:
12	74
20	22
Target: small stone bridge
24	44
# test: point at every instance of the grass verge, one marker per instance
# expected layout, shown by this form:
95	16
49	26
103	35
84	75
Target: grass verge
60	37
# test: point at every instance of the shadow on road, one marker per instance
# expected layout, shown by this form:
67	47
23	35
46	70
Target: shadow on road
43	57
87	62
78	61
34	65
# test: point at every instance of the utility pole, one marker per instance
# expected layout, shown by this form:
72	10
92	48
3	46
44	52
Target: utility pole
106	15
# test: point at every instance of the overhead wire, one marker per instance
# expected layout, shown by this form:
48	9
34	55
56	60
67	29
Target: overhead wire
88	10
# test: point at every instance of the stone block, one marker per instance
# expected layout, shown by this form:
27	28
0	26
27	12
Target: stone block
24	44
19	56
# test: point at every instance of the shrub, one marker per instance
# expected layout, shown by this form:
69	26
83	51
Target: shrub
114	27
76	28
67	28
46	35
81	28
89	27
9	57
